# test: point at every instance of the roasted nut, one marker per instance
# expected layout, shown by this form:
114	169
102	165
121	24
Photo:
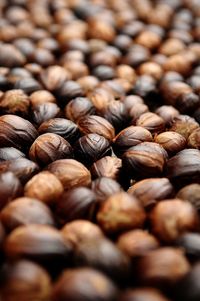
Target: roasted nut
170	218
162	267
152	122
76	203
143	294
54	77
190	243
37	242
194	139
190	193
144	160
10	188
24	211
62	127
184	167
150	191
16	131
84	284
22	168
129	137
16	283
45	187
10	153
136	243
168	113
91	147
107	166
79	107
98	125
44	111
48	148
79	231
41	97
70	172
103	255
172	142
15	102
184	125
120	212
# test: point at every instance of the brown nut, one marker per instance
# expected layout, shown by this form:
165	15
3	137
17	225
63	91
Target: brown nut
143	294
120	212
172	217
184	125
152	122
45	187
190	193
24	211
108	167
172	142
150	191
194	139
136	243
70	172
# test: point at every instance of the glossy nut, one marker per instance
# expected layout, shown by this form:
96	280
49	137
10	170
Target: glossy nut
190	193
172	142
107	166
152	122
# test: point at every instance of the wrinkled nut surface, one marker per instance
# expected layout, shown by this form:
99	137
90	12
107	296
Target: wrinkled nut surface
120	212
70	172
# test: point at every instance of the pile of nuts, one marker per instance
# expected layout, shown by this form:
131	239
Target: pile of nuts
99	150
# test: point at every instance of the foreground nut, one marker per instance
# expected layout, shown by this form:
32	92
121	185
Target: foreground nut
120	212
45	187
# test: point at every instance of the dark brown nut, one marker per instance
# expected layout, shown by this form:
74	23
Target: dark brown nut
190	193
104	72
103	255
170	218
16	283
91	147
149	191
48	148
120	212
16	131
10	153
194	139
188	103
10	187
24	211
84	284
76	203
45	187
99	29
79	107
187	289
143	294
172	142
136	111
107	166
14	102
69	90
173	89
54	77
116	114
40	97
184	167
2	235
11	56
190	243
168	113
22	168
129	137
184	125
43	57
34	68
136	243
98	125
144	160
70	172
171	46
45	111
62	127
28	85
152	122
80	231
162	267
151	68
105	187
41	243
